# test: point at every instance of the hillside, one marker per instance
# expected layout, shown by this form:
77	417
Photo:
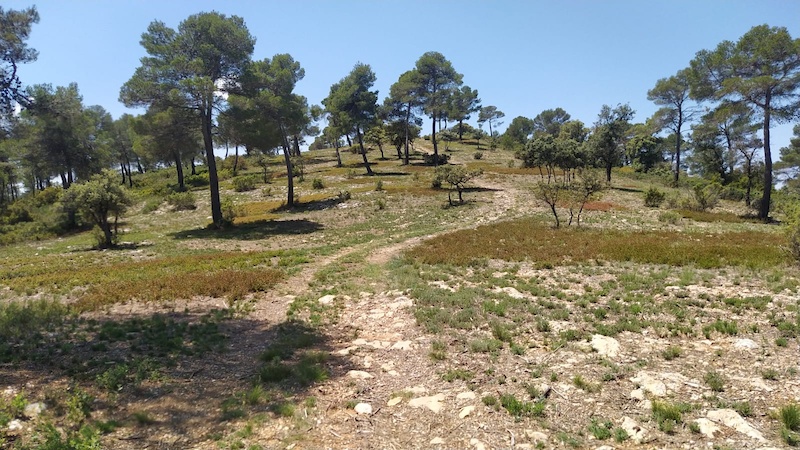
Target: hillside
376	315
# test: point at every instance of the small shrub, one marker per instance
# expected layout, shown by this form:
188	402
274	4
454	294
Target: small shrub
438	351
477	155
380	204
671	353
199	180
600	430
667	415
670	217
379	185
653	198
343	196
714	381
457	374
230	211
244	183
789	416
182	201
706	196
316	183
769	374
151	205
793	234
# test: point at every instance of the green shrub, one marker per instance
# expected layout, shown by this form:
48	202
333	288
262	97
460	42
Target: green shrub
230	211
705	196
477	155
793	234
48	196
653	198
198	180
182	201
670	217
244	183
316	183
343	196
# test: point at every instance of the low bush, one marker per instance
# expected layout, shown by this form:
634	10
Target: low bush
244	183
199	180
182	201
653	198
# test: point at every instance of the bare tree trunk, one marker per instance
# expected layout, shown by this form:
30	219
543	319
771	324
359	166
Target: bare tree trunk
763	212
363	151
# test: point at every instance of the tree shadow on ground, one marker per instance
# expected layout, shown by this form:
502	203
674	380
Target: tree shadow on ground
481	189
627	189
171	380
260	229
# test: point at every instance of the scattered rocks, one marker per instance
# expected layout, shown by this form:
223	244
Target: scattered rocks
326	300
637	433
511	292
359	375
32	410
605	345
434	402
468	395
650	384
707	427
477	444
437	441
394	401
747	344
536	436
363	408
732	419
402	345
14	425
467	410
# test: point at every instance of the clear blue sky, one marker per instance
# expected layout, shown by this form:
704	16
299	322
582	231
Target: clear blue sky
522	56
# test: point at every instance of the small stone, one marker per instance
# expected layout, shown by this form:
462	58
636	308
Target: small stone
433	402
359	374
326	300
477	444
707	427
650	384
394	401
637	394
363	408
32	410
513	293
732	419
346	351
605	346
536	436
634	430
468	395
467	410
14	425
417	389
437	441
747	344
402	345
604	447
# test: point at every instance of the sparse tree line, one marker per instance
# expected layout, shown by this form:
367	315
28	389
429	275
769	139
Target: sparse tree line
203	92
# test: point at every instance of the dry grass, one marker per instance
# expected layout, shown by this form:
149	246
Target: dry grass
531	240
222	274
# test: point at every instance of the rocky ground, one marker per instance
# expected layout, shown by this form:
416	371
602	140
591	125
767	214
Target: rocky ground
393	384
